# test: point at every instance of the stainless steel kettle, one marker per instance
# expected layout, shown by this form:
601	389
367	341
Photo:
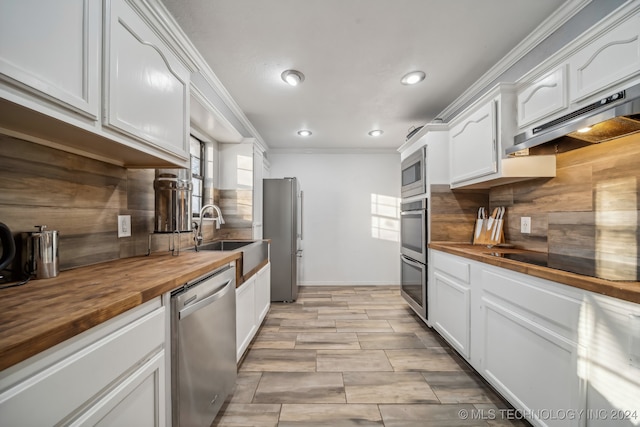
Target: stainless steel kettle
42	253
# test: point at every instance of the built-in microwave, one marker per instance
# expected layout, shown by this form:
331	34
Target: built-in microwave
414	181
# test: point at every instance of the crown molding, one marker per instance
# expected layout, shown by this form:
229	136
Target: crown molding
179	37
565	12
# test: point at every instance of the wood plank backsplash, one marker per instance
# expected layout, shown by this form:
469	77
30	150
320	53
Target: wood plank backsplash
593	204
81	198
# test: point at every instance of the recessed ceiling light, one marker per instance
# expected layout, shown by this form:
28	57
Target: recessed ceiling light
413	78
584	130
292	77
304	132
376	132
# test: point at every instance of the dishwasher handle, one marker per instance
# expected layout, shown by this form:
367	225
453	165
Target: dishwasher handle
190	309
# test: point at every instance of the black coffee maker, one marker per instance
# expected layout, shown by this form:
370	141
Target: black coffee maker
8	252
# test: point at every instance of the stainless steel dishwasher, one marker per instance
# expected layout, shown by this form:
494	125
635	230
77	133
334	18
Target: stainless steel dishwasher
203	347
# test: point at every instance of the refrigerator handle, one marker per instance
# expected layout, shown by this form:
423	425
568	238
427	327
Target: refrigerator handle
301	214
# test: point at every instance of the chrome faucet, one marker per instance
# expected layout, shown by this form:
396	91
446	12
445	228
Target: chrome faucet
219	220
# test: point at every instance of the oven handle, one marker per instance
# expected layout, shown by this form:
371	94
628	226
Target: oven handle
411	262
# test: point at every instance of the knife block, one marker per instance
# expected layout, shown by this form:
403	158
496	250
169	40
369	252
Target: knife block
485	235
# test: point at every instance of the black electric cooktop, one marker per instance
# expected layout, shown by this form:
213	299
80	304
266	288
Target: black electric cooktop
602	269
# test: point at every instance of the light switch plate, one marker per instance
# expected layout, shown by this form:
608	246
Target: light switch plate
124	225
525	225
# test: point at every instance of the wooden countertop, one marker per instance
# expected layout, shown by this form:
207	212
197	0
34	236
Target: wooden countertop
46	312
629	291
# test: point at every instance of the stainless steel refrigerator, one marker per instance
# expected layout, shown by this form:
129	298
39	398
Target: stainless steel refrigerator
282	222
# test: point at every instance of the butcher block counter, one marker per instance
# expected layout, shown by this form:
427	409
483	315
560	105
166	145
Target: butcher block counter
625	290
46	312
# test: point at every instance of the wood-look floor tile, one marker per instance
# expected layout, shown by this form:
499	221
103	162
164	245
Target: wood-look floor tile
377	325
377	305
328	340
389	341
398	313
246	384
429	359
334	415
352	360
410	324
428	415
274	360
245	415
460	387
307	325
431	338
270	338
346	315
387	387
324	304
294	314
300	387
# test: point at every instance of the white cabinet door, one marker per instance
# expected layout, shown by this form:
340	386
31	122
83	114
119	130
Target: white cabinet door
473	147
529	344
137	401
606	61
451	312
535	369
263	293
80	381
245	315
543	97
147	88
52	48
236	166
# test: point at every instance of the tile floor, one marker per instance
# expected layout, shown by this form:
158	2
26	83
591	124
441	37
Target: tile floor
355	356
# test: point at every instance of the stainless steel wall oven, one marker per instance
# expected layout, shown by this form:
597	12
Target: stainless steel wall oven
414	235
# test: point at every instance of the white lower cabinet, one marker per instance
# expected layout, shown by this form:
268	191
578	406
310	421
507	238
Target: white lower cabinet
245	315
529	351
561	355
451	306
110	375
253	299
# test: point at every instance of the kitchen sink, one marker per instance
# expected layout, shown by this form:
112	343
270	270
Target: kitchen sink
254	252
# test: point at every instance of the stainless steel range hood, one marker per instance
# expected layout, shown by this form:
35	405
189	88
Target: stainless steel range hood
612	117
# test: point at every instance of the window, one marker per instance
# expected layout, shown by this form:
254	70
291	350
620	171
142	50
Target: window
196	150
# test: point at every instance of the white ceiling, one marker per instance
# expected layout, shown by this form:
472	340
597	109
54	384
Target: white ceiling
353	54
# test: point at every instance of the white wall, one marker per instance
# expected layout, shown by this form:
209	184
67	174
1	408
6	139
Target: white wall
340	218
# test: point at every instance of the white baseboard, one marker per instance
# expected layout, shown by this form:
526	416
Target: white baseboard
348	284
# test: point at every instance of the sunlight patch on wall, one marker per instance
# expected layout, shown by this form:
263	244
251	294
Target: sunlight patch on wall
385	217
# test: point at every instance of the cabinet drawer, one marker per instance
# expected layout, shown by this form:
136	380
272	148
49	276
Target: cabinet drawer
72	382
453	266
534	300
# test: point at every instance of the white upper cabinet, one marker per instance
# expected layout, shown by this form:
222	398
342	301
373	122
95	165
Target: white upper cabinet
478	139
52	50
606	61
473	145
147	86
543	97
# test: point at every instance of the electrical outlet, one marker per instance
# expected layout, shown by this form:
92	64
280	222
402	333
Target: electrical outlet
525	224
124	225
